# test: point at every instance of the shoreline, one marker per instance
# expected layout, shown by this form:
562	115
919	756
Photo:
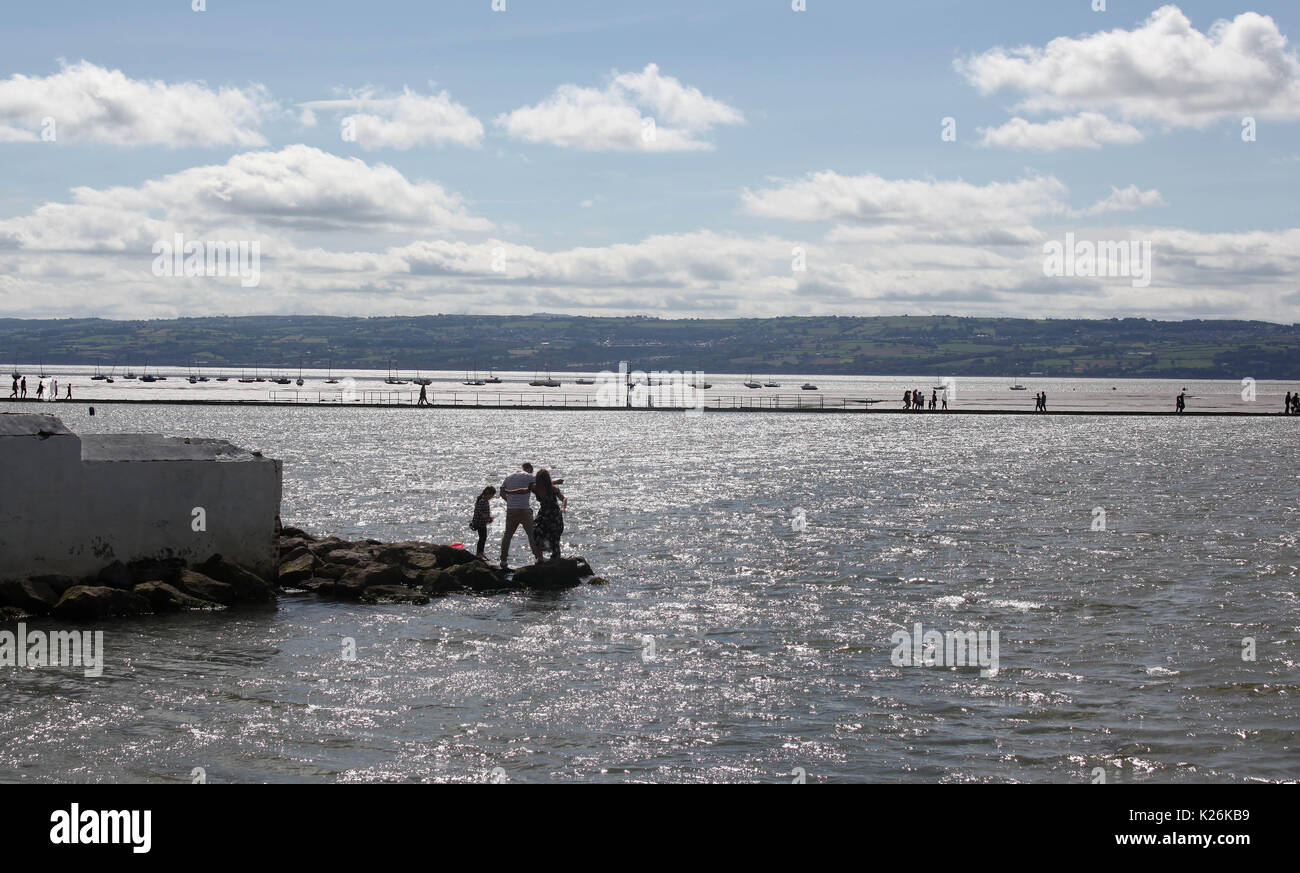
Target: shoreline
816	410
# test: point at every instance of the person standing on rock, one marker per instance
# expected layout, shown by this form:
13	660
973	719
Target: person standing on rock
482	518
517	491
550	517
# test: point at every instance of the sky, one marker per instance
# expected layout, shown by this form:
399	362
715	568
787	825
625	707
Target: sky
1044	158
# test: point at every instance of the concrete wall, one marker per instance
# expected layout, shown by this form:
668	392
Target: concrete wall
71	505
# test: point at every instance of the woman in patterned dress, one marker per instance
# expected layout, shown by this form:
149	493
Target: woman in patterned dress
549	525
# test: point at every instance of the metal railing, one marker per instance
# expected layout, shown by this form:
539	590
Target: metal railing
563	400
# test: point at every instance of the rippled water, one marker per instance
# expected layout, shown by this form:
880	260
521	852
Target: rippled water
1119	649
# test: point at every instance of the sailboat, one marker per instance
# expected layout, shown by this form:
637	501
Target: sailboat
1018	386
807	386
493	378
771	384
392	376
299	382
330	372
476	381
98	377
750	383
548	382
147	377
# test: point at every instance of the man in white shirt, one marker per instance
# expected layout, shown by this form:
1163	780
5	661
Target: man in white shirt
519	511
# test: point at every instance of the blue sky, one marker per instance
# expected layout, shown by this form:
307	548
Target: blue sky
830	118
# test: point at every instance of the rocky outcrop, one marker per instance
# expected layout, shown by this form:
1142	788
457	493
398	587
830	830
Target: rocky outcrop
376	572
368	571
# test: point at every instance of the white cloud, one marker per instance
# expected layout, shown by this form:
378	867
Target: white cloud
1125	200
1086	130
1164	71
93	104
611	119
957	211
404	121
296	189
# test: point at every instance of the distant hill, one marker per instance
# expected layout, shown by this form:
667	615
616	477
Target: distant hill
892	345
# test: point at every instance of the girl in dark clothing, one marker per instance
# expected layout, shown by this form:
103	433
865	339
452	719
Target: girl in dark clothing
549	525
482	518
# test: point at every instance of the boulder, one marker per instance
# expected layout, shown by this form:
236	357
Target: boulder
150	569
553	574
330	544
348	557
451	557
393	594
249	587
167	598
116	575
28	595
294	572
205	588
435	581
296	533
58	583
358	579
477	576
99	601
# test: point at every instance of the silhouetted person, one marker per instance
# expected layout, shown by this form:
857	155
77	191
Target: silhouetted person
1286	404
24	386
934	399
907	399
69	397
1042	401
40	390
424	401
14	392
1181	403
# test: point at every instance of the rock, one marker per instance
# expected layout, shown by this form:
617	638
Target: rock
477	576
29	595
422	561
393	594
596	580
553	574
329	571
294	572
349	558
329	544
434	581
296	533
449	557
358	579
99	601
149	569
288	554
205	588
249	587
116	575
57	582
167	598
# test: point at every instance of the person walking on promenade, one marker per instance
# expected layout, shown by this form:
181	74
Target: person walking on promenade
907	399
40	389
24	386
482	518
69	397
516	490
1181	403
424	401
14	393
1286	404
